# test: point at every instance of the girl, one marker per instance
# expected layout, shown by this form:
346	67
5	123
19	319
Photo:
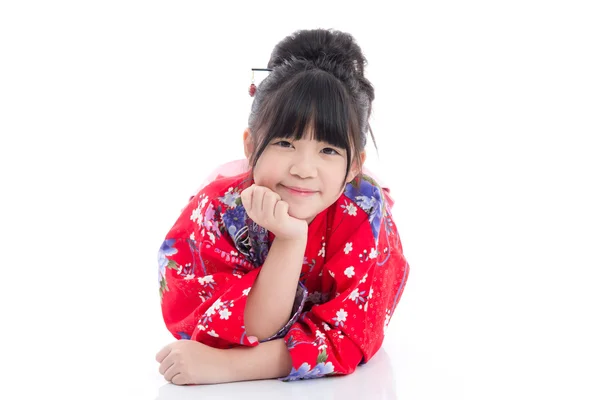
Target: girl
293	268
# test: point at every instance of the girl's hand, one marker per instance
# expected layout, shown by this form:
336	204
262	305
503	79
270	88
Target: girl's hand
187	362
266	208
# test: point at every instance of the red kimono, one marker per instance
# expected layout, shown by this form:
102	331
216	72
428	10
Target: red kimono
352	277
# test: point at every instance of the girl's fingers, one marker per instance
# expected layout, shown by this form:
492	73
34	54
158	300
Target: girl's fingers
171	372
165	365
178	379
260	202
257	199
269	202
281	210
246	196
160	356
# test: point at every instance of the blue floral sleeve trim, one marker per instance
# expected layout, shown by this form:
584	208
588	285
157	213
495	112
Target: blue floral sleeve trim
301	296
367	194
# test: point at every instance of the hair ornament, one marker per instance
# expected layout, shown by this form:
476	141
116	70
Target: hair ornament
252	89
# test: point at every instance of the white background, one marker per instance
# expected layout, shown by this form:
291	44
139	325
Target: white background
487	116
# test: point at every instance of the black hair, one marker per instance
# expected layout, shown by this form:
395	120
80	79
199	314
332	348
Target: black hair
317	80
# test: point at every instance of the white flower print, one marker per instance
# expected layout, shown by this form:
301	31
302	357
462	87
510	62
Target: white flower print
230	198
206	279
204	296
340	317
349	272
211	311
357	297
213	308
225	313
366	203
364	279
332	274
320	335
201	327
193	236
326	327
348	248
211	237
370	294
320	340
322	251
246	291
352	210
349	208
373	253
204	200
212	333
188	277
196	215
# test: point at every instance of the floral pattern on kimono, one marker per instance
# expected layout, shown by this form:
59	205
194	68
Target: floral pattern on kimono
353	275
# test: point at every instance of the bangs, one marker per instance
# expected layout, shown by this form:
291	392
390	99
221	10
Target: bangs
313	99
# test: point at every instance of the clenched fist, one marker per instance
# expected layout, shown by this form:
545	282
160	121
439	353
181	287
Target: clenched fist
187	362
266	208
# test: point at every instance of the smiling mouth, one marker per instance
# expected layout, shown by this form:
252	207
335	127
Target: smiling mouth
299	191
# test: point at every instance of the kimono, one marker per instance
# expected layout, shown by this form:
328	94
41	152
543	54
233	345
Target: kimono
352	277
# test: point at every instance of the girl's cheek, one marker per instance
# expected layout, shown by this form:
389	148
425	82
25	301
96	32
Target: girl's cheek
265	180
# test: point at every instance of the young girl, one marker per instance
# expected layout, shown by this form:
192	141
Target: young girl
292	268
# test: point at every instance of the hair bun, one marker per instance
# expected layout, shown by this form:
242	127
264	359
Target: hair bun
330	50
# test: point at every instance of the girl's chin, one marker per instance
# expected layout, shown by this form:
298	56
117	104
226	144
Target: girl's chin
301	215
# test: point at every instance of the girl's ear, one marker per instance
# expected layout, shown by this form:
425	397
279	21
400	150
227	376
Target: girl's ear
356	166
248	143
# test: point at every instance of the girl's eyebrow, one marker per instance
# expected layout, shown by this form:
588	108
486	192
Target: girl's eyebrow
331	145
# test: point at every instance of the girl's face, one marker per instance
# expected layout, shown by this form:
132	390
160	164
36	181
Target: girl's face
307	174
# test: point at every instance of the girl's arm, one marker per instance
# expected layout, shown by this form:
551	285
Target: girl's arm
205	285
272	296
187	362
268	360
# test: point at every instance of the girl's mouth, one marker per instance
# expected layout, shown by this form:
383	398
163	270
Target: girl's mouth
297	191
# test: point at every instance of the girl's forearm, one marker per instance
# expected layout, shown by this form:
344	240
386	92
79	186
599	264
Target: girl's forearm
271	298
268	360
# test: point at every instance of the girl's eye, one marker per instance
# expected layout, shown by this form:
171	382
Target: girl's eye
283	143
330	151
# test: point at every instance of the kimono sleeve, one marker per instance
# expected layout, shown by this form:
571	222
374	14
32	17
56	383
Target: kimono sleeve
204	280
334	337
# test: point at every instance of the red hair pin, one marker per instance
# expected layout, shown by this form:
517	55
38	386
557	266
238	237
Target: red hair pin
252	88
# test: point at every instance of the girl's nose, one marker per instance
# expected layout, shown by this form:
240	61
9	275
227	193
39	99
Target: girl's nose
303	168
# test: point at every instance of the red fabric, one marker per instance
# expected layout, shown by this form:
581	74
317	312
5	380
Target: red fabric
354	273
